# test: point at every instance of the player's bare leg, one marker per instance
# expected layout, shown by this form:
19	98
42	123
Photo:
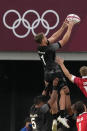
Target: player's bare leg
62	104
54	111
68	101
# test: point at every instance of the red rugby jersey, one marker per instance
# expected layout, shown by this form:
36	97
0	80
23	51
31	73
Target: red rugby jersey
81	122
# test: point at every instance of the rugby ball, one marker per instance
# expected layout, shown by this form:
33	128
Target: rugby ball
73	17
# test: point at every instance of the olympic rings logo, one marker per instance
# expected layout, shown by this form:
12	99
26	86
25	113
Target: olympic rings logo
26	23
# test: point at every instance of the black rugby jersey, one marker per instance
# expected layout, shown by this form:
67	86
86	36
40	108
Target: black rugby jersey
41	118
51	68
47	53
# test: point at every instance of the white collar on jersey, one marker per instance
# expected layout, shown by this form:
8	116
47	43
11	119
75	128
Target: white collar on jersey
82	113
84	76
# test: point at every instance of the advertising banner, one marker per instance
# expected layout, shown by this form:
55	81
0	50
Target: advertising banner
20	20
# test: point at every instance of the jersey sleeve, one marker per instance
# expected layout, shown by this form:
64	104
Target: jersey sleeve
76	80
45	108
73	78
55	46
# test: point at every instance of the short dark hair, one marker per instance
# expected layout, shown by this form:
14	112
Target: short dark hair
27	119
39	99
38	38
79	107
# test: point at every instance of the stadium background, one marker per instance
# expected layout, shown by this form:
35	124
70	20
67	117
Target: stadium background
21	73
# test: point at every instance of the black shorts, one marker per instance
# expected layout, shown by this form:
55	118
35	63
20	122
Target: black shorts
52	73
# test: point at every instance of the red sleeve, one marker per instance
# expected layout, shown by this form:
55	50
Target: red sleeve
77	81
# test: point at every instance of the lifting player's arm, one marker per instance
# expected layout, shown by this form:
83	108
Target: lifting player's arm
67	34
57	34
54	94
60	61
44	92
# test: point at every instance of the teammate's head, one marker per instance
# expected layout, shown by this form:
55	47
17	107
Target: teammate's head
40	99
79	107
27	122
40	38
83	71
73	108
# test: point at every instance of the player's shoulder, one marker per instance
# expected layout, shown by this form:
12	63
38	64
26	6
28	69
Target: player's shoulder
34	110
78	78
42	48
84	114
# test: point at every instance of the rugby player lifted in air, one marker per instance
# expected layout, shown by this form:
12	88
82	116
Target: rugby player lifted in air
47	52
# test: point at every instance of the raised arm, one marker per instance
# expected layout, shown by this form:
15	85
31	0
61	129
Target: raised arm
57	34
60	61
44	92
67	34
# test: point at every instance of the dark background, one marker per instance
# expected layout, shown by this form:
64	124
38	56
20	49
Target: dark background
20	82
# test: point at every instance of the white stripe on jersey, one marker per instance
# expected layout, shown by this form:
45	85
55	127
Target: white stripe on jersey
72	78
